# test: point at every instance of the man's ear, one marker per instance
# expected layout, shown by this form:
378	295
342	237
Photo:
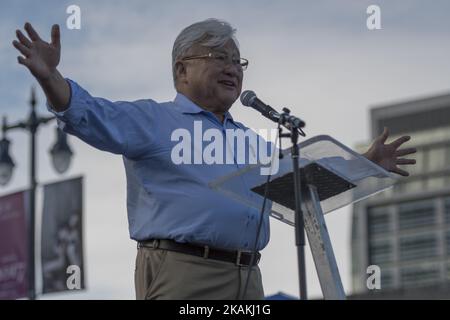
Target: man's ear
181	72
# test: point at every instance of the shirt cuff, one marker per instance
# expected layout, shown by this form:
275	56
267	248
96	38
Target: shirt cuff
75	109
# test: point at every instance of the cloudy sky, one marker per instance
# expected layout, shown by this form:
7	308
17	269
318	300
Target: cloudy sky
316	57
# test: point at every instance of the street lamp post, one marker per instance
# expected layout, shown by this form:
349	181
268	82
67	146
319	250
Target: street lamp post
61	155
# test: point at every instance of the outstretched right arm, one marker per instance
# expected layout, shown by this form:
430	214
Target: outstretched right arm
42	58
119	127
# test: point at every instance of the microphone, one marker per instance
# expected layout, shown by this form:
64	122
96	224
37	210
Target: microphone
249	99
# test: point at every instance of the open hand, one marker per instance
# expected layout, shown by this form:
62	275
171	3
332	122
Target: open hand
388	155
40	57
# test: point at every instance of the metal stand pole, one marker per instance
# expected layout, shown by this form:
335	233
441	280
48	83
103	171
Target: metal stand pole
294	127
33	124
299	224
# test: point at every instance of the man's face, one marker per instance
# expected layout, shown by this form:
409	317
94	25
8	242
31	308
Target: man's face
210	83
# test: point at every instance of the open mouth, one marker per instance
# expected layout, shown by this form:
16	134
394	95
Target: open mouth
228	83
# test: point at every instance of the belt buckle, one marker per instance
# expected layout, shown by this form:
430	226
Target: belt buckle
239	255
238	259
155	243
206	252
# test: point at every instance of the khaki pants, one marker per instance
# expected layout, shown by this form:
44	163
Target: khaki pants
162	274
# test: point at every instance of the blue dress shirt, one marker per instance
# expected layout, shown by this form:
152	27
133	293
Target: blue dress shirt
166	200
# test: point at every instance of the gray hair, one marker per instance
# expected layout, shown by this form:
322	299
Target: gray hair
207	33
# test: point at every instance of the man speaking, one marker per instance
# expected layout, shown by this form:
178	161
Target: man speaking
193	243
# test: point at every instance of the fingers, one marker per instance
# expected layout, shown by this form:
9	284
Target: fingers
400	172
397	143
31	32
23	61
404	152
23	50
56	36
405	161
23	40
384	135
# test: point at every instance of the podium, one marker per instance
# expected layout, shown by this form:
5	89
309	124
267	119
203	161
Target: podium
332	176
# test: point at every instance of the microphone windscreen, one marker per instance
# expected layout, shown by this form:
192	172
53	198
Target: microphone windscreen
247	97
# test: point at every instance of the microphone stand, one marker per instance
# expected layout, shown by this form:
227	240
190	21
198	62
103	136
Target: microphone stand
295	131
294	125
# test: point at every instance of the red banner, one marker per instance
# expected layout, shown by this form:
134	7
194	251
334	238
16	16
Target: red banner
13	246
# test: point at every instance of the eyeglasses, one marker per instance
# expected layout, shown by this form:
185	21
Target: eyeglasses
222	59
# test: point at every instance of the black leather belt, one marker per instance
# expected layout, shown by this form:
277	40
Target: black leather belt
238	257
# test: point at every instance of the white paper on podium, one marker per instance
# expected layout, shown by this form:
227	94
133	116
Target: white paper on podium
368	177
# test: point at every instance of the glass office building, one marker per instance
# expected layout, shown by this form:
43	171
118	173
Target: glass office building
405	230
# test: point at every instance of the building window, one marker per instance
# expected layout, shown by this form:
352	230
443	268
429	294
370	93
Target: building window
381	253
387	279
417	276
418	247
448	272
447	210
447	243
379	221
416	214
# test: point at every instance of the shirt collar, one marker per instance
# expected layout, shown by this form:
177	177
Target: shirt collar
185	105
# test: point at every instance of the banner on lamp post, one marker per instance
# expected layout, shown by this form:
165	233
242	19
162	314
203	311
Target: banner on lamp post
61	237
13	246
